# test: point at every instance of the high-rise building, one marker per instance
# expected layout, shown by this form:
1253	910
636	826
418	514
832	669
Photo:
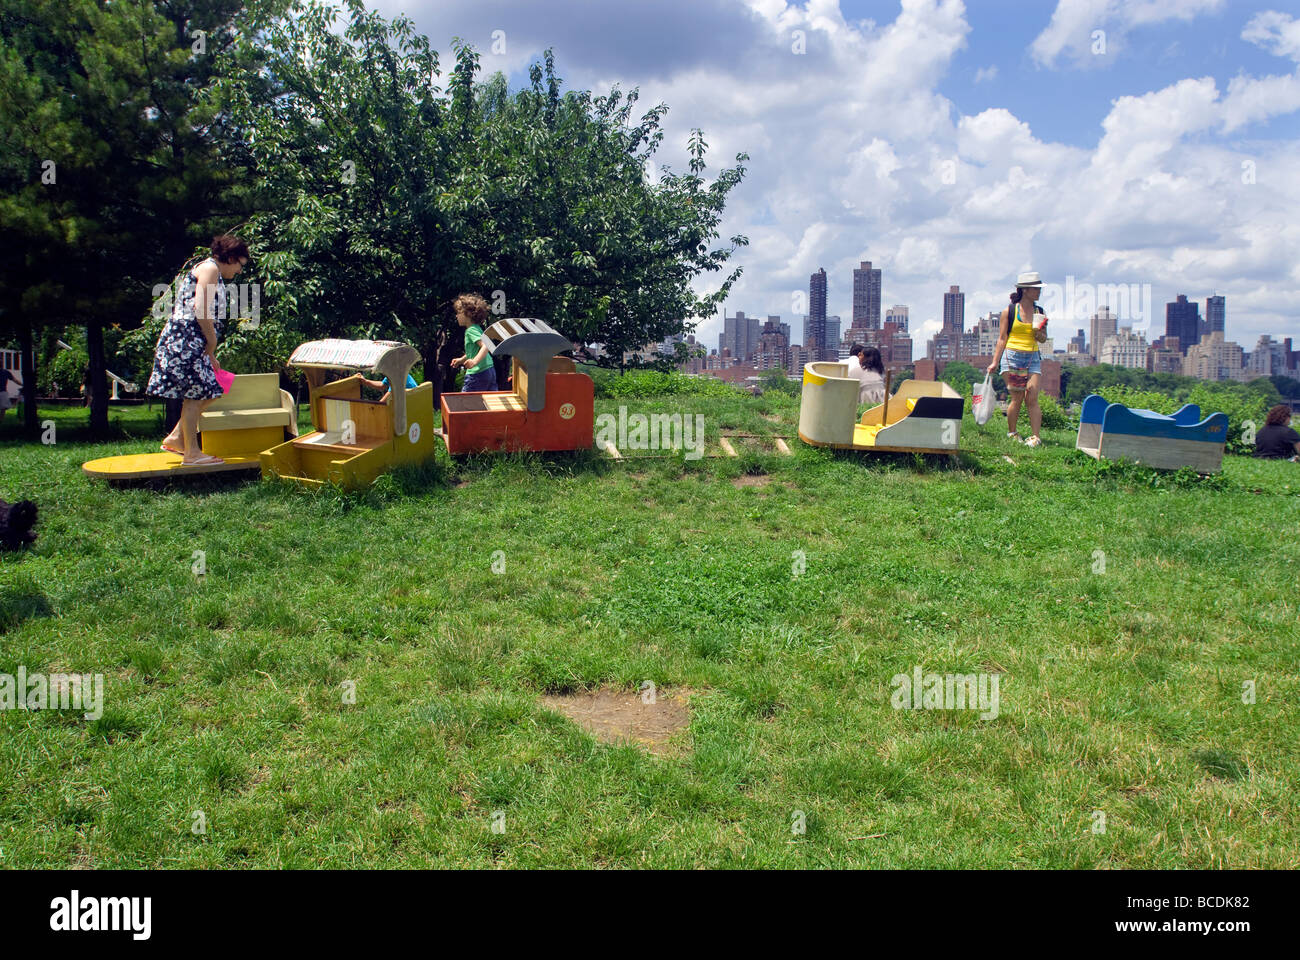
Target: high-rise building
1124	348
798	357
1269	358
1183	320
833	334
954	310
866	297
894	344
1215	358
815	327
739	335
1104	324
988	328
773	345
1216	310
897	315
1078	343
1165	356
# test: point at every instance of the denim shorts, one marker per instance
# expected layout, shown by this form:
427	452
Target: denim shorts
1018	366
481	381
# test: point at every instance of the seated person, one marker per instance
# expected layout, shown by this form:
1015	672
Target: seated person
854	363
382	384
1277	440
871	377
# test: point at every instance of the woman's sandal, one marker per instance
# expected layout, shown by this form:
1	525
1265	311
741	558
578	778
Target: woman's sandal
1013	436
1033	442
203	461
167	449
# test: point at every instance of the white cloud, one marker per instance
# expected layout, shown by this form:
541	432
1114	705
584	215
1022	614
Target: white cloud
986	73
851	146
1278	33
1074	23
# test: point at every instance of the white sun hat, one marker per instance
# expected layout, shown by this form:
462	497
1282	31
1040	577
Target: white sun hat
1030	279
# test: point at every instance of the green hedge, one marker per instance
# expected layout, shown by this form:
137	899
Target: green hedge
643	384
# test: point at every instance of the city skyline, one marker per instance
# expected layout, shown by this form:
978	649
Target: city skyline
952	142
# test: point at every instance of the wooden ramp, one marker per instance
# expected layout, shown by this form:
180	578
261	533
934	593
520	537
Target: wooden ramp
141	466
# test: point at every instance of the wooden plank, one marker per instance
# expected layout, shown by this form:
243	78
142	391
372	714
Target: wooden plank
727	448
1163	454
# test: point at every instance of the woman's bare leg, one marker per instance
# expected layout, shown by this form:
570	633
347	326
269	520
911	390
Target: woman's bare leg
1035	411
189	425
1013	409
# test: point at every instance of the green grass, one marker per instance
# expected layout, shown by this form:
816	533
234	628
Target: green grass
1120	692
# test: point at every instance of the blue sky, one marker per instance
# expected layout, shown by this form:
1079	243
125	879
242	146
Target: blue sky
1069	105
961	143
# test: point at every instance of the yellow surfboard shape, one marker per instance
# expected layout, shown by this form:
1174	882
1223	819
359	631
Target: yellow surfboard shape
140	466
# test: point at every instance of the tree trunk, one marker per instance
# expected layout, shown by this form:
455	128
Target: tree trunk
444	379
31	426
96	381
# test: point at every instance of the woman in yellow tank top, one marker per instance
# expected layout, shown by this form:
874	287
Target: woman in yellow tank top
1017	356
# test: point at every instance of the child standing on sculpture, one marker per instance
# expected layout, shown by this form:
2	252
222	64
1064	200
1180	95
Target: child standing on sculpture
480	374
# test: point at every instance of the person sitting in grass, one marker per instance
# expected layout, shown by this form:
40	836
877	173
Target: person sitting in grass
1277	440
480	374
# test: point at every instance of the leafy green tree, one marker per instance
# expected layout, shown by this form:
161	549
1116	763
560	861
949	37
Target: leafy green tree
1286	386
113	162
776	381
961	375
381	195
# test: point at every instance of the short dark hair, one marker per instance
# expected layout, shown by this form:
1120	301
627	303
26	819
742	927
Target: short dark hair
229	249
855	349
871	360
1277	416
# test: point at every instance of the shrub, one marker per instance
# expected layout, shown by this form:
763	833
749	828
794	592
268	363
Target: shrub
775	381
67	369
1054	417
641	384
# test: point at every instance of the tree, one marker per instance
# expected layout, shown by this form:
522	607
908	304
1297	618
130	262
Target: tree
113	159
381	195
961	376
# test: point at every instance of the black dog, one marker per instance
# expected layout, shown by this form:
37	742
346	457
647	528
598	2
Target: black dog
16	522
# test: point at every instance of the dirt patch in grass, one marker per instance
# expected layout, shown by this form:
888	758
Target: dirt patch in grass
752	480
621	717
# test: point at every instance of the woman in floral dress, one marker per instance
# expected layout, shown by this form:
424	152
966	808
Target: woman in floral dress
183	360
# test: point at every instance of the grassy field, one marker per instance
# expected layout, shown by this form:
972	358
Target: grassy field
784	592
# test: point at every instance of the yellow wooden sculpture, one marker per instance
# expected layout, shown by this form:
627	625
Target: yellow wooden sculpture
253	415
355	440
923	416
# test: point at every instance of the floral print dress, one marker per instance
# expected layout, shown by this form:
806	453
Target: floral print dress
181	368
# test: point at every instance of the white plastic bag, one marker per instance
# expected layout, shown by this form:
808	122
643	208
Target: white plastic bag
982	400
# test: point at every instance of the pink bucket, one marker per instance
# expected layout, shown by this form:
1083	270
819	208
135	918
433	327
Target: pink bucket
224	377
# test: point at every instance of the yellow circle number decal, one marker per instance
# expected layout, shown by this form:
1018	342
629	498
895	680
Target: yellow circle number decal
567	411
